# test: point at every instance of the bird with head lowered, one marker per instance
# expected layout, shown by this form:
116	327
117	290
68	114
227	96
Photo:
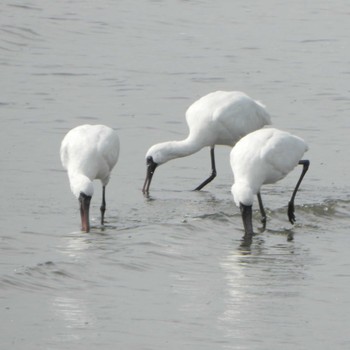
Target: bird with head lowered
89	152
264	156
219	118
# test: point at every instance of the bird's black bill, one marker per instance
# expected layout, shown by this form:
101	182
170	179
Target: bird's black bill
151	167
246	211
84	211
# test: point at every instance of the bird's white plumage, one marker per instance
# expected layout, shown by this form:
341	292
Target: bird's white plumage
89	152
219	118
262	157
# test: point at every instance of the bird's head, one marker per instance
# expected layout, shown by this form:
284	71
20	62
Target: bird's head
242	194
162	152
158	154
80	184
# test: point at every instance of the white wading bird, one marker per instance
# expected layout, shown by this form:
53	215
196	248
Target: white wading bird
219	118
264	157
89	152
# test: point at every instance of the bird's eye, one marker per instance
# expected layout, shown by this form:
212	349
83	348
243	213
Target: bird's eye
149	160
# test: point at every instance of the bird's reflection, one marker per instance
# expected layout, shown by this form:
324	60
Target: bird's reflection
257	271
76	244
246	243
72	308
74	312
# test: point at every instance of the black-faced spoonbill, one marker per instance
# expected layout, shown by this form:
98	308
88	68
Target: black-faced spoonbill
263	157
219	118
89	152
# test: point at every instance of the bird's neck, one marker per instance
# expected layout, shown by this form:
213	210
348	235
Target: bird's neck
80	183
183	148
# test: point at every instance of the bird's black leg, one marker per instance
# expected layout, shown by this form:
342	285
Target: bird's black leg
213	171
103	205
262	211
291	216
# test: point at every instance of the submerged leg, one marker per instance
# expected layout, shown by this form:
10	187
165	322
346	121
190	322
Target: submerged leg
103	205
291	216
213	171
262	211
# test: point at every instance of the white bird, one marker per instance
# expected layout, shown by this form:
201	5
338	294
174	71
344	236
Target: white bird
263	157
89	152
219	118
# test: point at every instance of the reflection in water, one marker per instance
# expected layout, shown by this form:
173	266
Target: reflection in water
247	241
76	245
237	302
75	315
175	266
73	311
258	278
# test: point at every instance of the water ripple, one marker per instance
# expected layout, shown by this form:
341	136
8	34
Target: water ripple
43	276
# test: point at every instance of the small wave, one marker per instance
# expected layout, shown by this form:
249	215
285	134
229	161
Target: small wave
25	7
310	217
43	276
20	32
219	217
330	208
63	74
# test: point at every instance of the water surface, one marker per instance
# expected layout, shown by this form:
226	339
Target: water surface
170	271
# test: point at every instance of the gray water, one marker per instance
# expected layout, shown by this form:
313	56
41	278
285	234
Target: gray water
170	271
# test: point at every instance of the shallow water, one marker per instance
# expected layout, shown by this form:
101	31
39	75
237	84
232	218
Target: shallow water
170	271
